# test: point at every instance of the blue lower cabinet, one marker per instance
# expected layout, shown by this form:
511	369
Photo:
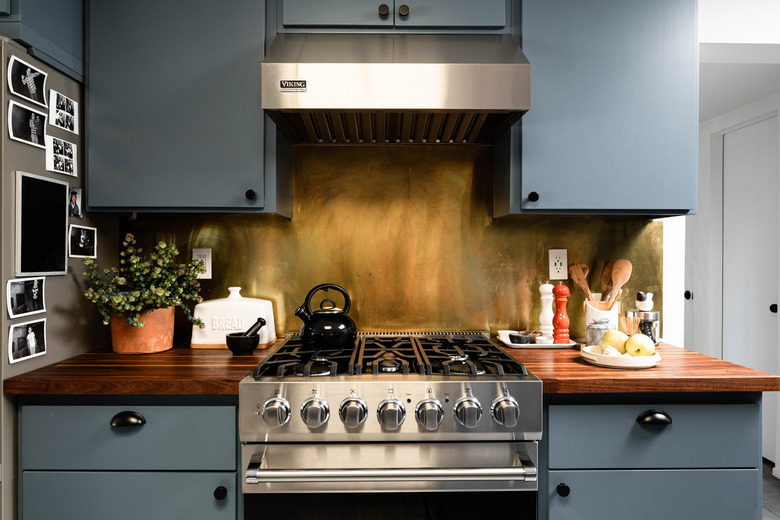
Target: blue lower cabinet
655	494
128	495
128	459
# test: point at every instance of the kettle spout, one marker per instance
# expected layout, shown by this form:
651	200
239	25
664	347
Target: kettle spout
303	314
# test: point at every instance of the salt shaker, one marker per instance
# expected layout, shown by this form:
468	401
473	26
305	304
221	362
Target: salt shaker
546	316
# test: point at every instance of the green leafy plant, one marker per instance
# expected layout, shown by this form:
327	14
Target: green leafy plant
143	284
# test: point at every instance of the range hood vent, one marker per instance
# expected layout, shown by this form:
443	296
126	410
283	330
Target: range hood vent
382	88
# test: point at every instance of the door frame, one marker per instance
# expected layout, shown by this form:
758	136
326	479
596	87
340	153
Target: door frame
704	233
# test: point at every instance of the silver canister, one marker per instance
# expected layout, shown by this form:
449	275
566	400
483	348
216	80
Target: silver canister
595	330
648	323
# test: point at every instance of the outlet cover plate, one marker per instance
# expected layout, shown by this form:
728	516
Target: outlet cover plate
204	255
558	264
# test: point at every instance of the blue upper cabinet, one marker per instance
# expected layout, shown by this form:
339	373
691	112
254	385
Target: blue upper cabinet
174	120
613	123
52	30
401	14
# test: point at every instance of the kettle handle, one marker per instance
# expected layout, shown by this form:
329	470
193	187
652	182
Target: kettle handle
325	287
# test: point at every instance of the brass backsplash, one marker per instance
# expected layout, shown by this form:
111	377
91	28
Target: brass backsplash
407	231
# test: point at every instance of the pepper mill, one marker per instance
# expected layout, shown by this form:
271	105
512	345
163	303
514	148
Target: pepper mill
546	316
561	319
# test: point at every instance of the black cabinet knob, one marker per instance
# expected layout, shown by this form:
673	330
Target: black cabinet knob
403	10
220	493
384	10
533	196
773	308
563	490
251	194
127	419
654	417
688	295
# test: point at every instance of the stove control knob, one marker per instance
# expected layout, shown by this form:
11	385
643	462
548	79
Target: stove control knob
276	412
391	414
467	411
353	412
429	413
505	411
315	412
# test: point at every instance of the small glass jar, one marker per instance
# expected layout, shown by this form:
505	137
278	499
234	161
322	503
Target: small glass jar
596	329
648	323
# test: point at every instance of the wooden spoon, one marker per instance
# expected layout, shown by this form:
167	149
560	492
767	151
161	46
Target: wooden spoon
579	273
606	280
621	272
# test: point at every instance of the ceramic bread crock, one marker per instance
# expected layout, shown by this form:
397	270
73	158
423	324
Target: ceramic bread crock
233	314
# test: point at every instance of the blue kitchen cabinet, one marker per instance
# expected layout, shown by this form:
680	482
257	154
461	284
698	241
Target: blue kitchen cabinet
650	495
52	31
613	123
180	463
402	14
600	460
174	119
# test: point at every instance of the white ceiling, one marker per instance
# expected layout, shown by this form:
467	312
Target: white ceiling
733	75
739	53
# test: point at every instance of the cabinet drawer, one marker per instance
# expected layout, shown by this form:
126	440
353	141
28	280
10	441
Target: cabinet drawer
172	438
127	496
654	494
609	436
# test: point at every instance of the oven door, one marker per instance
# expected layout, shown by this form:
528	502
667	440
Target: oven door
387	467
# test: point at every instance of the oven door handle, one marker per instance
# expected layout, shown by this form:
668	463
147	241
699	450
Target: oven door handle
523	470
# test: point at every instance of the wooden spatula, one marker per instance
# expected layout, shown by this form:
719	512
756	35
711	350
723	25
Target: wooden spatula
579	273
606	280
621	272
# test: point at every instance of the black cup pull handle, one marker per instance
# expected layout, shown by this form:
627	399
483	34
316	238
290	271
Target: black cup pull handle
127	419
220	493
563	489
654	417
533	196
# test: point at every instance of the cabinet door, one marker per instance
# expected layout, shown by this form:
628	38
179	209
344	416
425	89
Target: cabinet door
53	31
654	494
127	496
487	14
614	107
336	13
171	438
174	114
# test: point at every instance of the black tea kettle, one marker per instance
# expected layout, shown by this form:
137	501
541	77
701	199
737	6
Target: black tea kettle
327	328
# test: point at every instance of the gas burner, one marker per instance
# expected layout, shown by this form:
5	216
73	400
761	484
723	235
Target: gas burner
312	369
461	366
388	363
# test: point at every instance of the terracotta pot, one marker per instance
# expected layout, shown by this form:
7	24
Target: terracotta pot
155	336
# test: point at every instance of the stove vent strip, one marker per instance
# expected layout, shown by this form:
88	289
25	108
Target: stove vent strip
422	334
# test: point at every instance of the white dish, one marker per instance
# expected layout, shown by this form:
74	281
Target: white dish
592	354
536	345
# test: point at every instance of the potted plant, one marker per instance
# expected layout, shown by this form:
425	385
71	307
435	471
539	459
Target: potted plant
139	297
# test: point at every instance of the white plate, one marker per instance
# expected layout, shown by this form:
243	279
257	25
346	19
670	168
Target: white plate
592	354
536	345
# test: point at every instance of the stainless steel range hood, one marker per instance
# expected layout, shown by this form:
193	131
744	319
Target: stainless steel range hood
395	88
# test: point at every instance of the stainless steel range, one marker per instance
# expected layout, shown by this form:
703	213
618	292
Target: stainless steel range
398	413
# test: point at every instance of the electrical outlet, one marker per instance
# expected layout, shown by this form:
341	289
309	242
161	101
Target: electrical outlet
204	255
558	264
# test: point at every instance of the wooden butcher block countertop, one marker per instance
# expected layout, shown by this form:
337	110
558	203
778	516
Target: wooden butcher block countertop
184	371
